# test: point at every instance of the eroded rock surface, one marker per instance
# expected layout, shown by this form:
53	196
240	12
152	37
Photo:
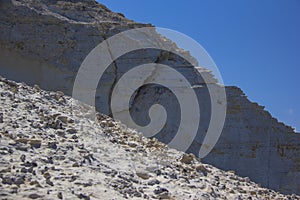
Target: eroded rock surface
51	149
44	43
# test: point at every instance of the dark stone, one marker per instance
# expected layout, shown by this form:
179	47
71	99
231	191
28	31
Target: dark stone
49	182
153	182
83	196
59	195
23	158
71	131
52	145
160	190
34	196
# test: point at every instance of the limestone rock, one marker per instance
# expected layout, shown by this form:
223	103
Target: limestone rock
44	42
100	165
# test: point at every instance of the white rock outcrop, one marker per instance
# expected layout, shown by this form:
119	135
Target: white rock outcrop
44	42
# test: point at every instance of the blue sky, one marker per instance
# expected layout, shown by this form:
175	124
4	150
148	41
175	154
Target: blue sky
255	43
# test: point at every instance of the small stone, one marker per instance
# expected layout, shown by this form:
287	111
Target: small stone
160	190
36	88
83	196
6	170
58	95
201	168
23	158
143	175
71	131
34	196
25	170
19	180
22	140
158	172
132	144
162	193
30	164
153	182
74	137
47	175
75	165
63	119
14	190
137	194
21	147
247	179
110	124
55	124
59	195
35	143
7	180
49	182
231	191
187	158
61	134
52	145
36	183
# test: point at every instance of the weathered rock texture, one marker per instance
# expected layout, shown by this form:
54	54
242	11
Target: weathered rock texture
257	145
44	43
51	150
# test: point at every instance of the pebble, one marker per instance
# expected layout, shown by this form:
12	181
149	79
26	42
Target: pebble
187	158
143	174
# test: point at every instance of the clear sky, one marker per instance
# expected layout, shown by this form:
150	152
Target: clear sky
255	43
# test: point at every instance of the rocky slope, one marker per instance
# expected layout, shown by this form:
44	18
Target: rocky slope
44	42
51	149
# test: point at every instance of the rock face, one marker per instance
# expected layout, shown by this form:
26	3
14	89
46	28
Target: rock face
44	43
50	39
52	150
256	145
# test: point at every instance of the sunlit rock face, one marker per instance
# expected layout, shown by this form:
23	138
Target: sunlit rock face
45	42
